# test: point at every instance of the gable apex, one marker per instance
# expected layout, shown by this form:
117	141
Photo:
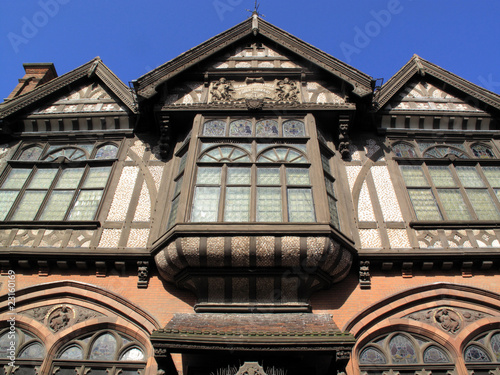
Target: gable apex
146	85
93	67
421	67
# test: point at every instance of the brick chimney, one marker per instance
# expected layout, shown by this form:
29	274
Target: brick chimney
36	75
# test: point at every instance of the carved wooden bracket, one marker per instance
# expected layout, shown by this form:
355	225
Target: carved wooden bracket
344	140
164	142
364	275
142	274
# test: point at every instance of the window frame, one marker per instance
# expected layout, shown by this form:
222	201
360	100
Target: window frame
60	164
452	163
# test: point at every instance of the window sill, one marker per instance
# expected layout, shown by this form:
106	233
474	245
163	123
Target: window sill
478	224
50	224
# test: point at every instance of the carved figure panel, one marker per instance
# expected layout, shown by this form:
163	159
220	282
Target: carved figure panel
451	320
62	316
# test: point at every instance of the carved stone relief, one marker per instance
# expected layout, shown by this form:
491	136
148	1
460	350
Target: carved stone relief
284	90
451	320
62	316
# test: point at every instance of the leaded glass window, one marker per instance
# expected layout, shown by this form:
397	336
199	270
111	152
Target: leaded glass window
56	182
453	191
403	351
27	350
254	180
108	351
483	350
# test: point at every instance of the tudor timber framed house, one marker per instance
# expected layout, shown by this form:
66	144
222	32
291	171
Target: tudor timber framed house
254	206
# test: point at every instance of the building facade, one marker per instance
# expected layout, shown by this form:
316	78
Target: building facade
253	206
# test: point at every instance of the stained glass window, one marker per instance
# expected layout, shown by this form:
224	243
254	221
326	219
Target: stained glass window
372	356
106	152
240	128
27	350
73	352
31	154
104	348
214	128
267	128
476	354
404	150
435	355
294	128
281	154
442	151
482	151
402	350
424	204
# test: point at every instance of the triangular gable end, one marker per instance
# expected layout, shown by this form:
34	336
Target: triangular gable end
426	97
253	29
91	90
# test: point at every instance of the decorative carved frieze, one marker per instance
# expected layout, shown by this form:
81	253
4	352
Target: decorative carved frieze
451	320
253	91
62	316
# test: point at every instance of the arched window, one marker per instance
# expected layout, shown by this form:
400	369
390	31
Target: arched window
21	352
104	352
483	352
400	351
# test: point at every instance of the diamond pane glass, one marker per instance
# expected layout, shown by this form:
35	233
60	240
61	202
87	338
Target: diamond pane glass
240	128
31	154
281	154
104	348
237	207
371	356
295	157
424	204
206	204
403	150
267	128
97	177
73	352
70	178
294	128
214	128
296	176
238	176
435	355
134	354
86	205
29	205
453	204
329	186
106	152
441	176
57	205
268	176
43	179
32	351
16	179
7	198
208	176
495	346
476	354
482	152
226	152
402	350
483	204
469	177
493	175
300	205
413	175
269	204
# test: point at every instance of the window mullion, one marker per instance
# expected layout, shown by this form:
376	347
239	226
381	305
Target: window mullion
47	194
253	193
77	190
222	194
284	194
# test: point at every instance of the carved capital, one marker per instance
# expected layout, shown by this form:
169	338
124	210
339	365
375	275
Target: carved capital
344	140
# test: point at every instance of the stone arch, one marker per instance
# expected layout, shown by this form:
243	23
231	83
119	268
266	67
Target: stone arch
467	311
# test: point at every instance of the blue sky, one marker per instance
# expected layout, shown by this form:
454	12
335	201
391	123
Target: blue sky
375	36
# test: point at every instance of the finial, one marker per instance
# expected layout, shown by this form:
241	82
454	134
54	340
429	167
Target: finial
255	11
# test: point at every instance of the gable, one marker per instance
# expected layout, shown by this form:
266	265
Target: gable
424	96
226	52
87	98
